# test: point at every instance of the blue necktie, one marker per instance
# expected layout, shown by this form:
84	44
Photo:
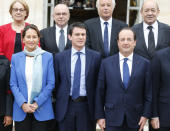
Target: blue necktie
126	75
61	40
76	81
106	41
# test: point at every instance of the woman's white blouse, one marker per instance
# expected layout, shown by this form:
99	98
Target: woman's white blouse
28	74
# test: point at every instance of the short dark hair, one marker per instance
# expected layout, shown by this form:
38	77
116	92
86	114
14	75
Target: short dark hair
31	26
76	24
127	28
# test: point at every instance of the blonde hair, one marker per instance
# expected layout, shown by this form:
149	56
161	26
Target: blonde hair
23	3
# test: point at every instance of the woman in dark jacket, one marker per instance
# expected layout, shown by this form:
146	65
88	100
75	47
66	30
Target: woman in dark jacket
5	95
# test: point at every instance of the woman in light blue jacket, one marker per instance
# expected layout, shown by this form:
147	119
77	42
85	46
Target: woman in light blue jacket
32	81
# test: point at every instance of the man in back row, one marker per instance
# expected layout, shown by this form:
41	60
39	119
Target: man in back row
151	34
102	31
54	39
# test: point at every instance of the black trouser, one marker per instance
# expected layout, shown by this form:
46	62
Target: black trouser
77	118
123	127
31	124
2	128
164	129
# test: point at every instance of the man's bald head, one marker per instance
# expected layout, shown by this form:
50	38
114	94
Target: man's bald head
61	15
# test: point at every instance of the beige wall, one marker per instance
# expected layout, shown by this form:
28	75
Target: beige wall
35	16
164	15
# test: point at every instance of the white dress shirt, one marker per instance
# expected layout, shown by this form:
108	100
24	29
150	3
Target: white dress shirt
146	32
74	58
28	74
129	62
58	34
109	29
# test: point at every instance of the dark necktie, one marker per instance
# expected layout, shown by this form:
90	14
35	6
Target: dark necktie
106	41
126	75
76	81
61	41
151	41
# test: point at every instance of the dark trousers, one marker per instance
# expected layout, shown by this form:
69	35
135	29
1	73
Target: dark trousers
53	126
2	128
124	127
164	129
77	118
31	124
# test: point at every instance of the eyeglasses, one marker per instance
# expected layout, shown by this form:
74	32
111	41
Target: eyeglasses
16	10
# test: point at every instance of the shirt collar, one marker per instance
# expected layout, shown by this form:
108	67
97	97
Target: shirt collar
58	28
109	21
74	51
121	57
154	25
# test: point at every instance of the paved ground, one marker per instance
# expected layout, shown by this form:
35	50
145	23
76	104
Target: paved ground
98	128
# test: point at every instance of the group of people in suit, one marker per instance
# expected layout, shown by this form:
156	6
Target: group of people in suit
100	70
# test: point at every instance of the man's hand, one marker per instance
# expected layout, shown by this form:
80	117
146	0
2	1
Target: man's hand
7	120
142	122
102	124
155	123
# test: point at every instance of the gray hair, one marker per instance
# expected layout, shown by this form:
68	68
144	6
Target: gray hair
150	0
113	3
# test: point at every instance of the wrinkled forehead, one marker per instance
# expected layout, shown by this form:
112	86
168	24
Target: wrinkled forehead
150	5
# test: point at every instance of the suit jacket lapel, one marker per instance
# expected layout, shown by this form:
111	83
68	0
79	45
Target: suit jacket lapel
113	35
99	33
22	65
88	61
117	65
68	43
135	64
53	37
68	64
143	45
160	35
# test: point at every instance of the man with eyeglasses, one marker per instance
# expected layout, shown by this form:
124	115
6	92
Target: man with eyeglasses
54	39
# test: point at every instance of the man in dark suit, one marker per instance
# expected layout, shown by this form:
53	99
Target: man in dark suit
54	39
102	31
76	72
159	31
151	40
124	94
161	90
